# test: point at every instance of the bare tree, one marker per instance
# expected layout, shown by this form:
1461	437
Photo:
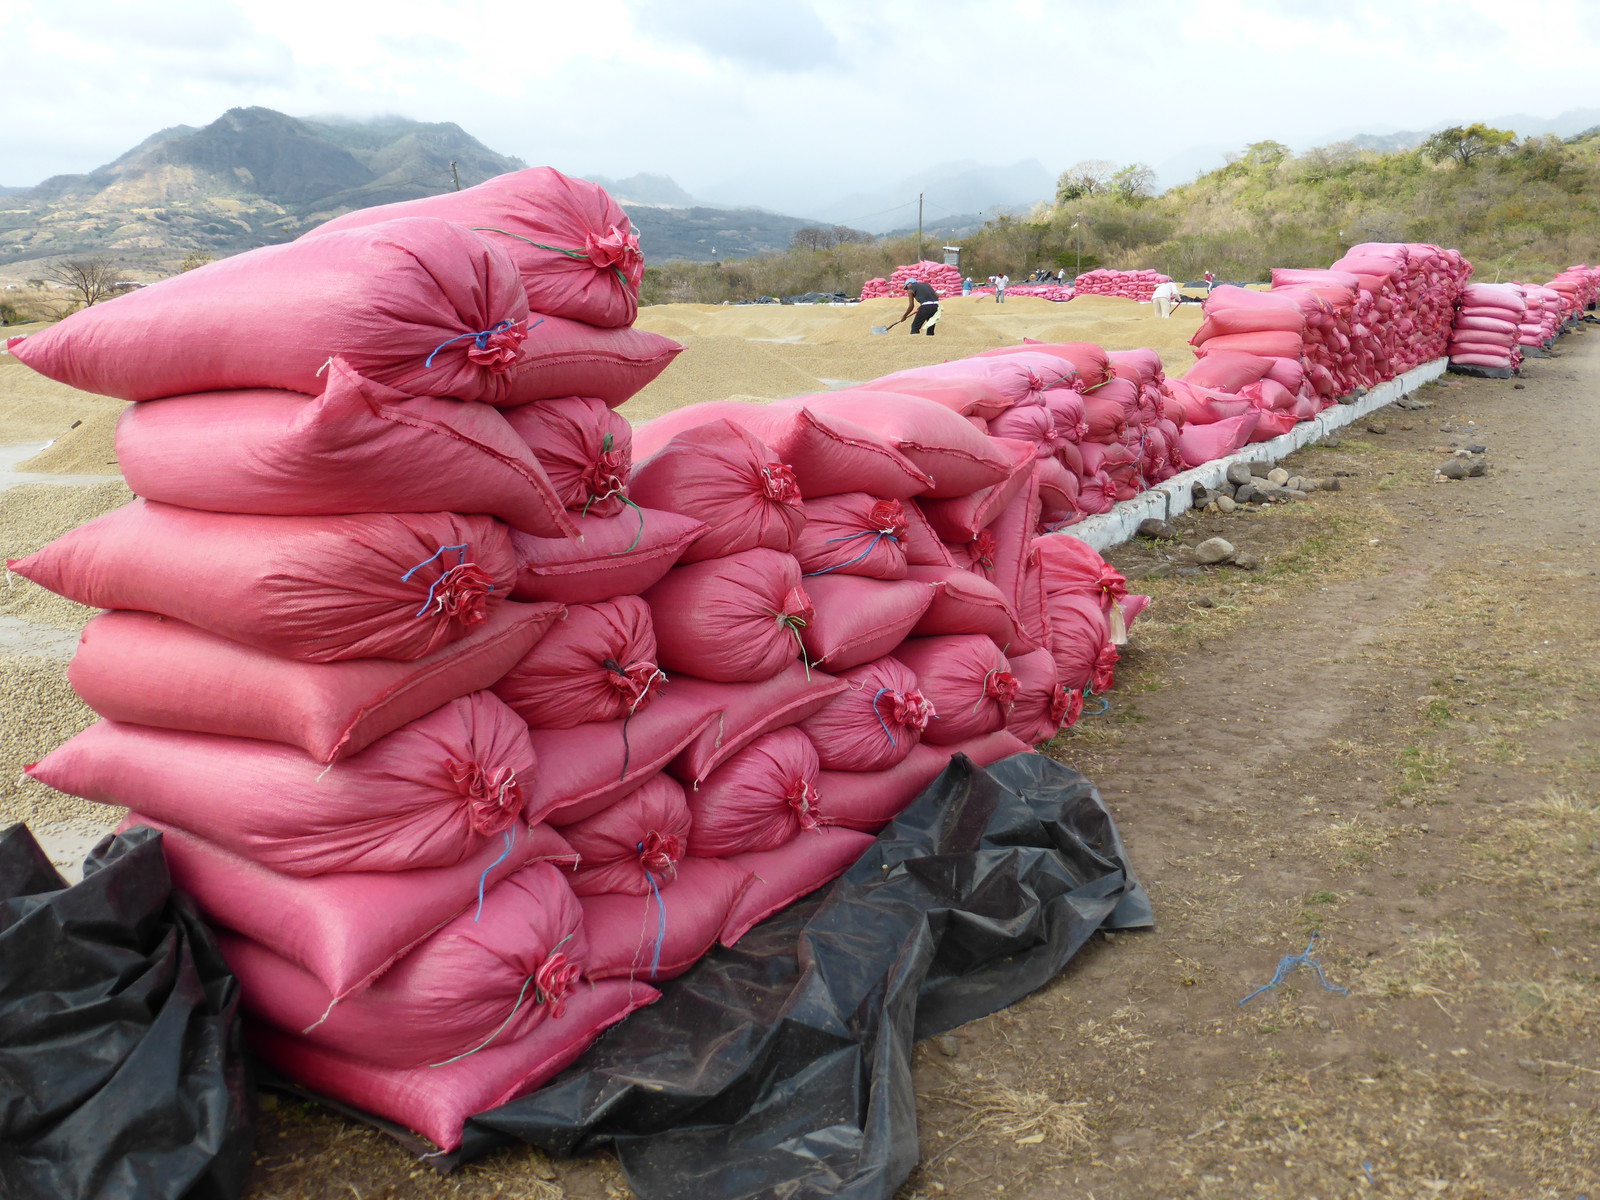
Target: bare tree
816	237
90	280
1088	178
1134	184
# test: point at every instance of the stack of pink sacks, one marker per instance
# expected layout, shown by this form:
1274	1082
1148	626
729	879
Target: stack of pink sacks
1336	347
1579	287
1054	292
1541	324
311	601
942	277
1130	285
1486	334
1414	288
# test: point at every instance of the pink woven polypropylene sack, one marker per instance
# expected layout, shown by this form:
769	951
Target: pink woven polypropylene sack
322	589
633	845
421	305
869	800
596	665
568	358
664	932
780	877
968	682
1043	706
572	243
345	928
746	711
287	454
853	534
492	975
762	797
855	619
430	794
730	620
436	1101
874	722
152	670
585	448
964	602
611	556
720	474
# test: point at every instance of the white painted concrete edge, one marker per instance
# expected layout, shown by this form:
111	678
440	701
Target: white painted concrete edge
1174	496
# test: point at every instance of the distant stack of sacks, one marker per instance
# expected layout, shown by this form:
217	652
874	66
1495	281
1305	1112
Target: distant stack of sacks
1541	324
1485	335
457	786
1579	287
1044	291
1413	288
1130	285
942	277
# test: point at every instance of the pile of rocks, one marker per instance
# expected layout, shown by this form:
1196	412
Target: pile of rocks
1257	483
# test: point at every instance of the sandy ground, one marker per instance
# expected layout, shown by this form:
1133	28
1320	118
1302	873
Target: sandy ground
1386	736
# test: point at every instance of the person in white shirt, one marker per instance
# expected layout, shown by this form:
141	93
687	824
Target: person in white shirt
1164	298
1000	283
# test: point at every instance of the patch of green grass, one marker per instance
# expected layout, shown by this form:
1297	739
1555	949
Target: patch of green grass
1421	767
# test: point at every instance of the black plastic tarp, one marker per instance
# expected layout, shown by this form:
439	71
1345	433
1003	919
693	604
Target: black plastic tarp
782	1067
122	1072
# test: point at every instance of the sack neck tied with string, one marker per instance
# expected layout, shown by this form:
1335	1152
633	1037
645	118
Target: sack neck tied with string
461	593
909	710
802	797
554	981
984	547
617	248
888	517
494	798
1001	687
1105	668
659	853
607	473
639	682
779	484
1066	706
496	349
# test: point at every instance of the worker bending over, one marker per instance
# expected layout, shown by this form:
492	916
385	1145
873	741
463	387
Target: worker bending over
1164	297
921	297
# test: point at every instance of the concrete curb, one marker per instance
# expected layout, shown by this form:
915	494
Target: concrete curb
1173	496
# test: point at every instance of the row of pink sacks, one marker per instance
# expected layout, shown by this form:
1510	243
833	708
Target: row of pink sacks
942	277
1578	287
1131	285
1486	330
1541	324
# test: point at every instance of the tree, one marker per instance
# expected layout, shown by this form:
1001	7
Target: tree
1088	178
1467	143
1134	183
196	259
817	237
90	280
1265	154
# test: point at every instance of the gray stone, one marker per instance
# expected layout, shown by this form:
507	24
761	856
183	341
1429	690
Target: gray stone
1377	427
1238	473
1248	494
1278	476
1246	562
1213	550
1226	504
1332	443
1260	468
1204	602
1454	469
1189	572
1330	485
1293	494
1200	495
1518	387
1477	468
1477	448
949	1046
1212	507
1159	571
1156	528
1301	484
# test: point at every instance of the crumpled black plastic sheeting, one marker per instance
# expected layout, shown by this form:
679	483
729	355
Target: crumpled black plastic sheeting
767	1071
122	1071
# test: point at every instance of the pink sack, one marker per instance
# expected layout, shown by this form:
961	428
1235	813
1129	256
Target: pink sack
828	454
855	620
964	602
959	519
344	929
321	589
420	305
611	556
730	620
491	976
1031	423
759	799
967	680
1058	490
1202	443
1073	567
662	933
1044	707
1092	363
596	665
430	794
568	358
586	451
287	454
722	475
573	245
436	1101
869	800
1267	344
874	722
958	458
151	670
745	712
634	845
852	534
1080	636
923	547
780	877
589	767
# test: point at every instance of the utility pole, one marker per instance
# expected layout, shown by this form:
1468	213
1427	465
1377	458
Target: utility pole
1079	228
455	175
919	226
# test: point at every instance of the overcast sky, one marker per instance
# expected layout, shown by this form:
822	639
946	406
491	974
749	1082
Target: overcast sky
776	101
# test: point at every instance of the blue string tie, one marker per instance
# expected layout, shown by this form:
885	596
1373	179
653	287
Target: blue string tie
876	535
661	920
1292	962
484	878
479	339
881	722
461	551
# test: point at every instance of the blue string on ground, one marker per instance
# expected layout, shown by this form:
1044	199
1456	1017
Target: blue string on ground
1291	962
